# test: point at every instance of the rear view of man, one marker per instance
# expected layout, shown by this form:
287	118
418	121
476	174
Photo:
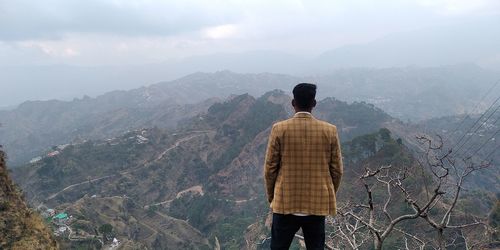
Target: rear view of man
302	171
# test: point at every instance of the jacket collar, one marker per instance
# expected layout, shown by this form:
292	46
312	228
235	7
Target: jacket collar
303	115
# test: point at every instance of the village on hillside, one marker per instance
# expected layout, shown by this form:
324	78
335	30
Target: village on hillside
139	137
63	225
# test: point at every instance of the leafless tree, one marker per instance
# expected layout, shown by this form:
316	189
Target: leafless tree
450	173
430	190
346	233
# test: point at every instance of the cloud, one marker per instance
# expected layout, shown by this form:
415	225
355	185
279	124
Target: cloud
221	32
52	19
90	32
461	7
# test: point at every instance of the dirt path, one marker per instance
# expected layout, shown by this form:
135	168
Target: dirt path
195	189
179	220
243	201
155	232
80	238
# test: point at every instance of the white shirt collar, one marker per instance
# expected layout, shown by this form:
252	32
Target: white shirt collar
303	114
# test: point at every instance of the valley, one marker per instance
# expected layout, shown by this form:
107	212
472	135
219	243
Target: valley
137	125
157	187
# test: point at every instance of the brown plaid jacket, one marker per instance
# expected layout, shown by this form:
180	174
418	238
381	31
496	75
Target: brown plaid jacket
303	166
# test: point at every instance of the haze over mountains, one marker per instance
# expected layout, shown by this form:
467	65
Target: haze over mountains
144	124
405	93
179	164
473	42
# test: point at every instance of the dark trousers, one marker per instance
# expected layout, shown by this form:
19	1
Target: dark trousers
285	226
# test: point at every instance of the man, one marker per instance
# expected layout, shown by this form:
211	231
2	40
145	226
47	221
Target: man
303	168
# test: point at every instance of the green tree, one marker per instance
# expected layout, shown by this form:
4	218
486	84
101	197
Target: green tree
106	230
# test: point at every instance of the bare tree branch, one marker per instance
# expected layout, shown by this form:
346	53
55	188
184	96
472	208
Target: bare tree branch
447	177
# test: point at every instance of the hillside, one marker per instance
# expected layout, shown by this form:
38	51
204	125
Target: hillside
34	127
129	224
207	172
405	93
468	138
414	93
205	177
215	140
20	227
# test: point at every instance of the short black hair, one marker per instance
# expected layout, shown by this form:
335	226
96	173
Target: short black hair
304	94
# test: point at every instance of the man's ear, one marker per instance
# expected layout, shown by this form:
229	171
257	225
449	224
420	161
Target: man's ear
314	103
293	103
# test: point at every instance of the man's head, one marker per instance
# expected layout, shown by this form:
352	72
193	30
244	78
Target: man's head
304	97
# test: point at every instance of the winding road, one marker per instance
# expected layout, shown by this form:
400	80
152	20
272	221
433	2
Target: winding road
195	189
141	166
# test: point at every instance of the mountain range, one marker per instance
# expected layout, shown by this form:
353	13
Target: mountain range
158	187
470	42
203	176
33	127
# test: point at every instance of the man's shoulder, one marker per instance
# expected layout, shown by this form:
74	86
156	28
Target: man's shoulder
281	124
326	124
288	122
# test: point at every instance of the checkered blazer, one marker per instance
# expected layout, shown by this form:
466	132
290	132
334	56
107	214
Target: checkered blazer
303	166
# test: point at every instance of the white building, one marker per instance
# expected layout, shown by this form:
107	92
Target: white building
54	153
115	243
36	159
141	139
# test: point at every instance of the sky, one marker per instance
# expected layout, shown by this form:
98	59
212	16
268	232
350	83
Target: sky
119	32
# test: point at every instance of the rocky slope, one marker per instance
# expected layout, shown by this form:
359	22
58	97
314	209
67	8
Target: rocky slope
20	227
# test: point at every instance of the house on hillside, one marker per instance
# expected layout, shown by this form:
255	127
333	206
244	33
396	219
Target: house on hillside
62	146
36	159
60	231
115	244
48	213
51	212
53	153
60	218
141	139
112	141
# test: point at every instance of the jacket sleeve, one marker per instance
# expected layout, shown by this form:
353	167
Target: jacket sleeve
336	166
272	163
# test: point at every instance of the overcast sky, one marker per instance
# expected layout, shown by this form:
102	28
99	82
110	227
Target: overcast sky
114	32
